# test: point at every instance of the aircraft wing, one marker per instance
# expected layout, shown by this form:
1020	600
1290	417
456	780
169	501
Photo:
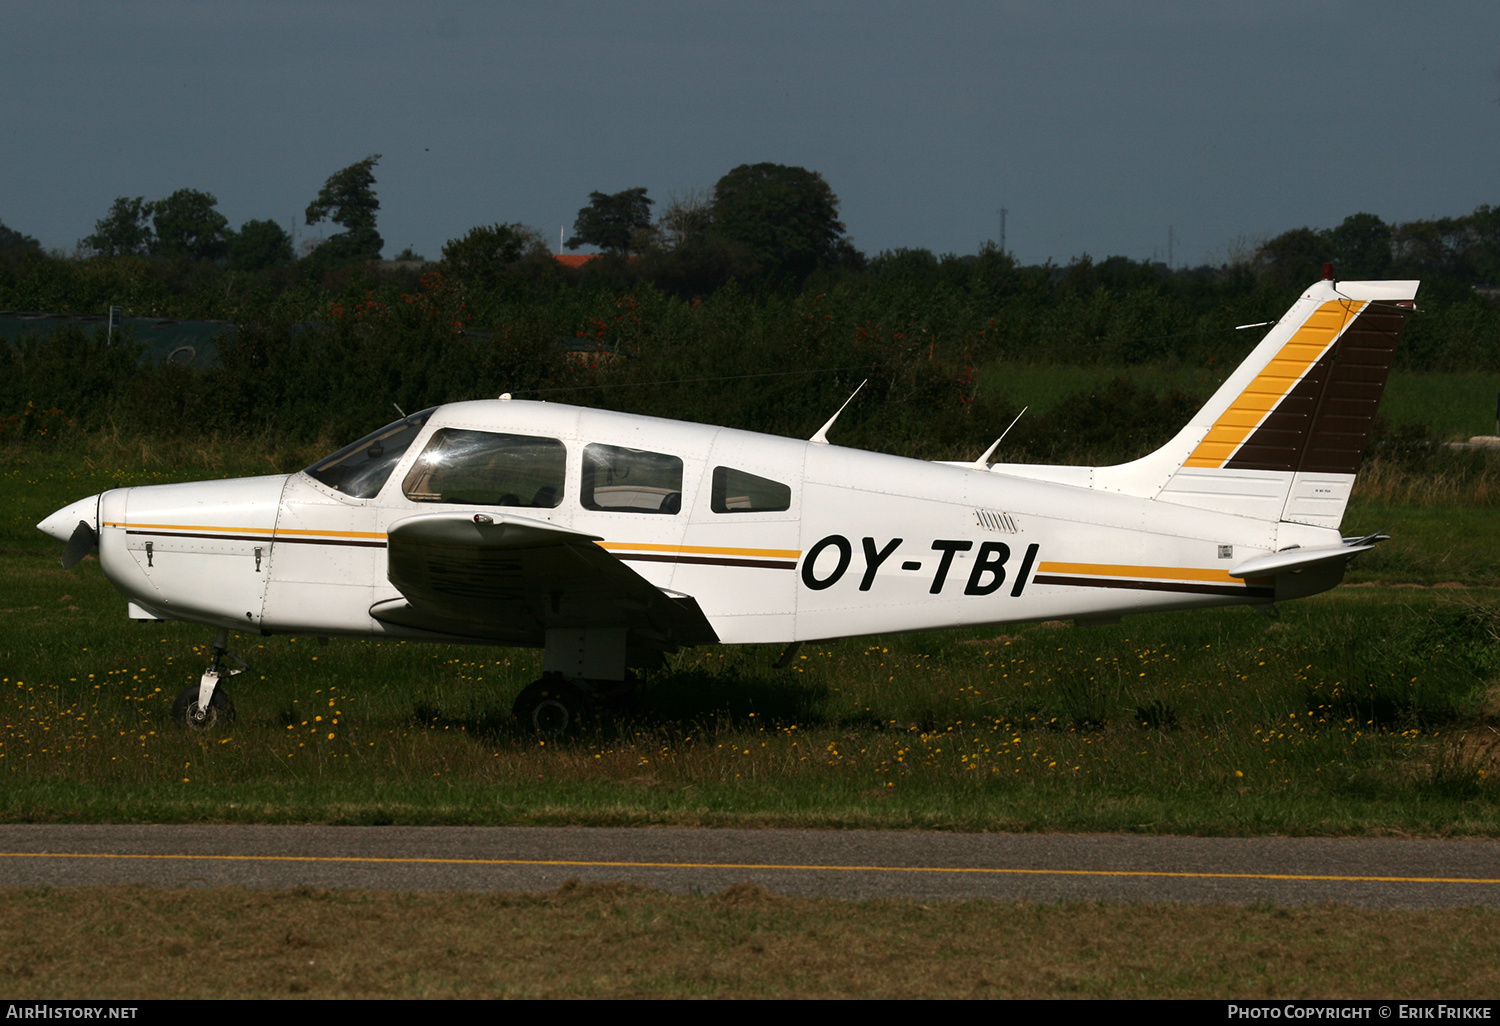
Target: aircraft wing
508	579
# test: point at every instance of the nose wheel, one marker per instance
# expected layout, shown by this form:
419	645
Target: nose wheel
188	712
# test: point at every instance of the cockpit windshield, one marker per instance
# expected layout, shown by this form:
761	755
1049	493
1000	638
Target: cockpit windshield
361	469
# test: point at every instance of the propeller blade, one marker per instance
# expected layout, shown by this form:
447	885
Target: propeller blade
83	541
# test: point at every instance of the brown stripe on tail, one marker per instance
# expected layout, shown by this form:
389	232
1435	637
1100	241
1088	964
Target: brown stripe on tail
1323	423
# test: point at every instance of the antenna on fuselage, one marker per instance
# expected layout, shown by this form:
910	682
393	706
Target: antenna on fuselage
822	436
399	410
984	460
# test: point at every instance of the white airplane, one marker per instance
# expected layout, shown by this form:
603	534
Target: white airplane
610	539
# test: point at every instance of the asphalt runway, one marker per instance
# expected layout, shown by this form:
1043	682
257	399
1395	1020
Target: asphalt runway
1373	873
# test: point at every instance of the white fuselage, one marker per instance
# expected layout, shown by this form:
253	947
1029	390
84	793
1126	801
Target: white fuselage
868	542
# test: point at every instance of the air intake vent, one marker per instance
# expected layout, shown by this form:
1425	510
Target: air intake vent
1000	523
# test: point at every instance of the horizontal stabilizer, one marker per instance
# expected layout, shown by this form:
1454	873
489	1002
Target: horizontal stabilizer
1290	561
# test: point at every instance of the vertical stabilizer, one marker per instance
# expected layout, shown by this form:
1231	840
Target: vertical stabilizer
1283	436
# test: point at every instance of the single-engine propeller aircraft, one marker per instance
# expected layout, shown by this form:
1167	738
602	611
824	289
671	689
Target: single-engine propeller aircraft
609	539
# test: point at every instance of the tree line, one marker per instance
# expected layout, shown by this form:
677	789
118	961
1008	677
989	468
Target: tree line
746	305
188	225
768	226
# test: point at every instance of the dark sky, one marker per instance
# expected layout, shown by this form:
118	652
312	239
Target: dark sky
1097	125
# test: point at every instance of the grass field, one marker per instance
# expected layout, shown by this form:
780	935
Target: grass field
1450	405
1453	406
618	940
1366	710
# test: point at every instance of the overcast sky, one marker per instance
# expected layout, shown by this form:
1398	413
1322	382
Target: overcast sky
1098	126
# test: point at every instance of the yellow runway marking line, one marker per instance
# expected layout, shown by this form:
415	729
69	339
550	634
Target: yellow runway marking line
592	864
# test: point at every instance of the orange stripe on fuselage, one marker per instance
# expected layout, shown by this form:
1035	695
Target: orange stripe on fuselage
1172	573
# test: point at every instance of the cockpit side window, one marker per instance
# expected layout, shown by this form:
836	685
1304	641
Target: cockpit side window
620	480
486	468
360	470
735	491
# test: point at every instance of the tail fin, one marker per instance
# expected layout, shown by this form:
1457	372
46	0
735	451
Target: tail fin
1282	437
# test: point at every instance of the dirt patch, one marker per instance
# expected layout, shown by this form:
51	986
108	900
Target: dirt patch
746	892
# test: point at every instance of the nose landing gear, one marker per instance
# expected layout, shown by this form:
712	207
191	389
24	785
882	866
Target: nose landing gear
207	706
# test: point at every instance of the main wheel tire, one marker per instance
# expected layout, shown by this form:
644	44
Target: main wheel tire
552	706
618	697
186	714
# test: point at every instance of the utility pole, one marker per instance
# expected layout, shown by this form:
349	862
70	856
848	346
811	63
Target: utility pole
1003	212
1169	247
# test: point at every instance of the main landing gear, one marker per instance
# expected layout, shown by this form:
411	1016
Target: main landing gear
583	675
207	706
556	705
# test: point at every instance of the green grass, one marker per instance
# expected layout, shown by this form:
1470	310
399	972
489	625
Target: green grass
1044	386
1452	405
1356	712
627	941
1365	710
1430	545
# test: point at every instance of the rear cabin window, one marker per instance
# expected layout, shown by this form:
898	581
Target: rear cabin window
485	468
620	480
735	491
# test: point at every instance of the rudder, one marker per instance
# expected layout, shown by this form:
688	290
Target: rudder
1285	434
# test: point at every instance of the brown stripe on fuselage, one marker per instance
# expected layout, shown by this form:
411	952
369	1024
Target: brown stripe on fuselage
1191	588
1323	423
